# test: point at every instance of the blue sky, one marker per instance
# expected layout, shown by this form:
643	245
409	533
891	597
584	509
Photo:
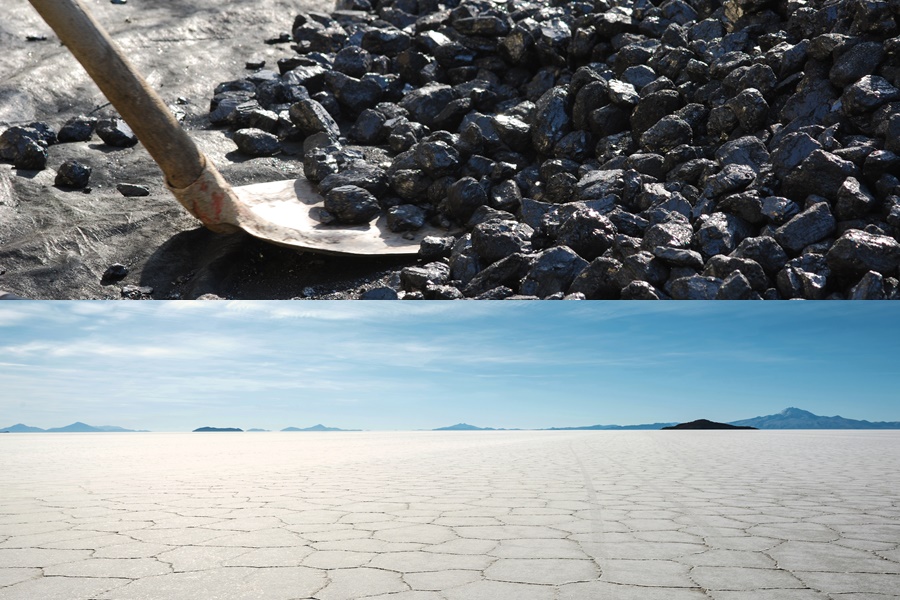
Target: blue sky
175	366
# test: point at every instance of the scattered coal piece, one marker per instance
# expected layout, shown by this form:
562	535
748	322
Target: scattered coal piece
26	147
114	272
133	190
77	129
115	132
73	174
284	38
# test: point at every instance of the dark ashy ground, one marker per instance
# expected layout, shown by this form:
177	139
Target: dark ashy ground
635	149
56	243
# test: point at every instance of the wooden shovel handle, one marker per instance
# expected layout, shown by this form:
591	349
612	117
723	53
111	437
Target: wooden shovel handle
175	153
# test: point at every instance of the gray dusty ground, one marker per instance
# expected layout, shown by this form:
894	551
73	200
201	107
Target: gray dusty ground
788	515
56	244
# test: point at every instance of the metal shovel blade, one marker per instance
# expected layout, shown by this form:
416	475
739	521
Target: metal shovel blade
287	213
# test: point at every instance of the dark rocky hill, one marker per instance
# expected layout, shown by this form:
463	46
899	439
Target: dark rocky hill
706	424
208	429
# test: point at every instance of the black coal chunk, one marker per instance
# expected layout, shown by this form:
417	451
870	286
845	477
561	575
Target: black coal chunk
77	129
354	94
310	117
667	134
405	217
860	60
426	103
437	158
256	142
115	132
856	252
598	280
821	173
869	287
463	197
351	204
360	174
812	225
418	278
25	147
73	174
114	272
720	234
553	271
551	120
804	277
495	240
694	287
867	94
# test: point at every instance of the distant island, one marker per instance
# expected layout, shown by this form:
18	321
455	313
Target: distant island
464	427
77	427
707	424
207	429
257	430
318	427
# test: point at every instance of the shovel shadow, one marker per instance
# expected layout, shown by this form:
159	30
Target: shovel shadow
240	266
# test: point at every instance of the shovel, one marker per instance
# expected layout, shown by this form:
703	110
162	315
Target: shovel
283	212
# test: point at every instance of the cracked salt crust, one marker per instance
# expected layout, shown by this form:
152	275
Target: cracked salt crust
443	516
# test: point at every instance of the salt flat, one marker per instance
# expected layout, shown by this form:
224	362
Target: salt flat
728	515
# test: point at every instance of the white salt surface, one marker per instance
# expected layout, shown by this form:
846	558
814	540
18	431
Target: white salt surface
452	515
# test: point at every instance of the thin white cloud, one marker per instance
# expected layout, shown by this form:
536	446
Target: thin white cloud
87	349
18	313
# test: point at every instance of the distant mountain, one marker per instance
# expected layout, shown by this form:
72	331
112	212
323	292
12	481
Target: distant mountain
706	424
318	427
795	418
464	427
207	429
646	426
20	428
257	430
77	427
